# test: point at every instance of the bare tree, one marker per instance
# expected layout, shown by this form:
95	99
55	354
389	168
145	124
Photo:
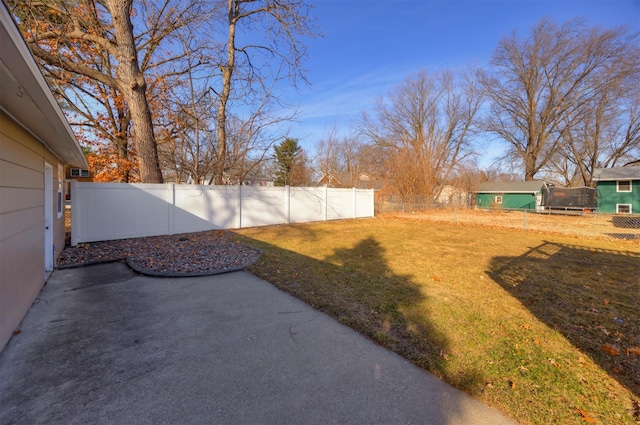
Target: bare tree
345	161
97	113
606	134
424	129
247	67
86	43
541	85
326	161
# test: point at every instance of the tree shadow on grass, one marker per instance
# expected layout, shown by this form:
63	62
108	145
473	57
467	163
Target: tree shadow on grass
591	296
357	287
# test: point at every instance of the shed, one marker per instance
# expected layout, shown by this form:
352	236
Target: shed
528	195
36	143
618	189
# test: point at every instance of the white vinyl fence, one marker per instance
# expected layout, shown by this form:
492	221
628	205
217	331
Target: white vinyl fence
108	211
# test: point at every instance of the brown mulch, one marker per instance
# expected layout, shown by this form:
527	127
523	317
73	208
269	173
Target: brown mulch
199	253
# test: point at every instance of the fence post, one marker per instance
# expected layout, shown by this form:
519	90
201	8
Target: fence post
354	202
326	202
525	219
455	217
287	193
75	213
239	206
171	188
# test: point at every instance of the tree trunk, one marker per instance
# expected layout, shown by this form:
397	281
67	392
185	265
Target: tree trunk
133	87
227	74
529	167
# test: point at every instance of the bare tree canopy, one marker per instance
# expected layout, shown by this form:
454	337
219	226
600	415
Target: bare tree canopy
344	161
271	49
542	86
93	57
425	129
160	82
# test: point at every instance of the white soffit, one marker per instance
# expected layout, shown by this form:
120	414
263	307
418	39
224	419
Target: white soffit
26	97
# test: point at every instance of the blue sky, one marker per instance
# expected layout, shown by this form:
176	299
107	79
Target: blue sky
369	46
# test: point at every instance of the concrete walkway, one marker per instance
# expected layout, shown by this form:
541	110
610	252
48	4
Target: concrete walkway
105	345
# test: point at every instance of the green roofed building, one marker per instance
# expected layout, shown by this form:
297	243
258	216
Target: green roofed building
618	189
530	195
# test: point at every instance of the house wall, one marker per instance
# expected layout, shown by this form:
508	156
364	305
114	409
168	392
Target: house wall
509	200
22	270
608	196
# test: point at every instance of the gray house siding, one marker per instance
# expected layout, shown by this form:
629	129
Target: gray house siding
36	142
22	245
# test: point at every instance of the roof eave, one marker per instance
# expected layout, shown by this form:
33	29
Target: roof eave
27	99
508	191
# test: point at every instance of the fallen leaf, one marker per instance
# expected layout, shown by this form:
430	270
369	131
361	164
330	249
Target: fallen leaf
636	409
610	349
616	370
606	301
436	278
633	350
586	417
526	326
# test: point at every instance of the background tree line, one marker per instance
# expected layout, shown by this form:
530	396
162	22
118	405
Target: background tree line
563	99
182	90
188	91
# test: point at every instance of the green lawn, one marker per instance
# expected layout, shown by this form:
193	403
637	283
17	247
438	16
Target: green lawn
543	327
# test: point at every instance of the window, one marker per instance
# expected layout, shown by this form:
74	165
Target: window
624	186
77	172
623	208
498	199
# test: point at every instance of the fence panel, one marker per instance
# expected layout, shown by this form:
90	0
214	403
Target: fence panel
262	206
199	208
107	211
365	203
307	204
343	198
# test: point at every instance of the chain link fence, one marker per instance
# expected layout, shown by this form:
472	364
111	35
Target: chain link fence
590	224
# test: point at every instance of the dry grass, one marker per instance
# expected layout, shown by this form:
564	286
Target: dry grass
587	225
542	326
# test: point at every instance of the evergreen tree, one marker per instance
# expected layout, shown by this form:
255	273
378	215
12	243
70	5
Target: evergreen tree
286	154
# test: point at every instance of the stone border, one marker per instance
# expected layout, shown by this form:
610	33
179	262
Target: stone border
130	261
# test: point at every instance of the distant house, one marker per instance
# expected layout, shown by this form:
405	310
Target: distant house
618	189
529	195
335	179
345	180
258	180
451	195
36	143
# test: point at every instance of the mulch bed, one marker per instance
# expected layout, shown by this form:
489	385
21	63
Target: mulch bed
189	254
